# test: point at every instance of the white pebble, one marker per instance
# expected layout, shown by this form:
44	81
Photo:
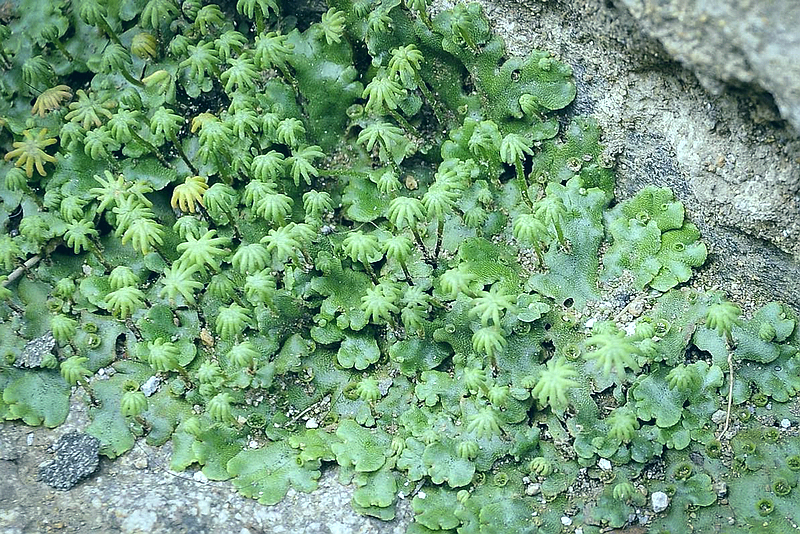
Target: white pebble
566	521
629	329
150	386
200	477
604	464
312	423
785	423
660	501
533	489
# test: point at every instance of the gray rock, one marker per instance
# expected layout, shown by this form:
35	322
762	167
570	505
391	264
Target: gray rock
732	42
76	458
660	501
38	353
8	450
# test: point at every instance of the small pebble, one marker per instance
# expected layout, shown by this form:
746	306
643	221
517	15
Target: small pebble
150	386
200	477
566	521
30	439
312	423
533	489
660	501
718	416
785	423
604	464
253	444
140	463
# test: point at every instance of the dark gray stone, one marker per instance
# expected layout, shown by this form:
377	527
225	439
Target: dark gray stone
76	458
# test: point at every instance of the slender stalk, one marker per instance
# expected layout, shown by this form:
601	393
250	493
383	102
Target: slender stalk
288	75
131	79
62	49
419	241
139	139
403	121
439	234
6	60
429	98
188	379
730	395
106	27
559	233
133	328
259	21
88	389
174	139
343	172
522	183
370	272
538	251
404	266
423	15
95	248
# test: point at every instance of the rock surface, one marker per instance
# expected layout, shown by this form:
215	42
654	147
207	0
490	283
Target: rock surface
76	458
752	44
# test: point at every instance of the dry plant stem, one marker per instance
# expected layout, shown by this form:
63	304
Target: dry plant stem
730	395
294	419
88	389
16	273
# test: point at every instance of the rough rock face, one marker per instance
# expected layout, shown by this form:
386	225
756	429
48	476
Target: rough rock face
76	458
644	69
737	42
